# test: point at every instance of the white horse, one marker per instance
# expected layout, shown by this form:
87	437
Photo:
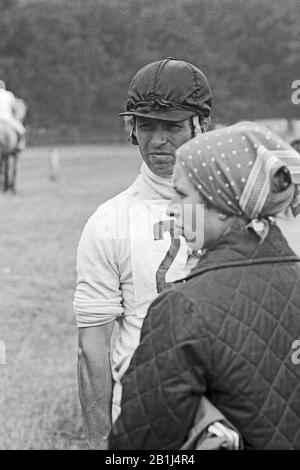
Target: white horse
10	147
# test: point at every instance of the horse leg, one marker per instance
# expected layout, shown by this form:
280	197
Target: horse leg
1	170
6	173
14	172
0	162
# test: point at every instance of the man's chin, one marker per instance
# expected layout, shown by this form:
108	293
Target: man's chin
164	170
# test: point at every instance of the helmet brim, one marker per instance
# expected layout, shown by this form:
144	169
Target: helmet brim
175	115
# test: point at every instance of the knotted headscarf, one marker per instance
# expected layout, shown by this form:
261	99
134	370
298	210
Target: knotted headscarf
234	169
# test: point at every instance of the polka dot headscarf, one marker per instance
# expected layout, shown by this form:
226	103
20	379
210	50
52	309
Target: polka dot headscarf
233	169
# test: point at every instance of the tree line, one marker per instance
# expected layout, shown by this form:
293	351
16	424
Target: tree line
72	60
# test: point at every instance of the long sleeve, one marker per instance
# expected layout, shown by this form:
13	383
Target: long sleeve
97	298
166	378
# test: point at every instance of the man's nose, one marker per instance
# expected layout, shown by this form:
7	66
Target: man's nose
159	138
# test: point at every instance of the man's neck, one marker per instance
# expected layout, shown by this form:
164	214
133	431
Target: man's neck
161	186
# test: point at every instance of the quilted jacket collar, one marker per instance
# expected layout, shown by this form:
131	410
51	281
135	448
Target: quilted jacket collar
242	246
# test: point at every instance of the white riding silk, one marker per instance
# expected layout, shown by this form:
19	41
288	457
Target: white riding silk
126	256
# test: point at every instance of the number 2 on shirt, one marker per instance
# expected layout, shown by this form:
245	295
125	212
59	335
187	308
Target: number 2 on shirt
159	229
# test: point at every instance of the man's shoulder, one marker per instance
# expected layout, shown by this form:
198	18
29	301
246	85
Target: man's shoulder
118	199
118	204
109	219
112	207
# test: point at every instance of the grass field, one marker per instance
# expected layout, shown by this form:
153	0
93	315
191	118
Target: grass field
39	231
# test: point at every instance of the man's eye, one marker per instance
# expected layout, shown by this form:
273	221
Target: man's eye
175	127
179	125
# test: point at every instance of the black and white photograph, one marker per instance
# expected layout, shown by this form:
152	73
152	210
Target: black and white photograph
150	227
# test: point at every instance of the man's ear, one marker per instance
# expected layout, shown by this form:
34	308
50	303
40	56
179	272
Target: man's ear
199	125
203	125
132	137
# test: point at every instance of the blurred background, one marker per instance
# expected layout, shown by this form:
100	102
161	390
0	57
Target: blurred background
72	61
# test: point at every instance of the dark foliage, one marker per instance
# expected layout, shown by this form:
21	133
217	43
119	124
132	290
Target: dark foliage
72	60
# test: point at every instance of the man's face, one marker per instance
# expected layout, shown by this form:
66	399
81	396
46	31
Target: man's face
158	141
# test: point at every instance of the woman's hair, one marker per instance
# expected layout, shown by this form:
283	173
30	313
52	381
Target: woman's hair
296	145
199	125
281	180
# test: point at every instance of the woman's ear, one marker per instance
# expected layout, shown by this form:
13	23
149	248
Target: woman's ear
281	180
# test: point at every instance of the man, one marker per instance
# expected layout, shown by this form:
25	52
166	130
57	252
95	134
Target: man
9	106
128	253
12	135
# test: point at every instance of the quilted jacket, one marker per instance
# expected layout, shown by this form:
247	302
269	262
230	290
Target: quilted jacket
226	332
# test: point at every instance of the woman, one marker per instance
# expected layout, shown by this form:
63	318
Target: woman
227	331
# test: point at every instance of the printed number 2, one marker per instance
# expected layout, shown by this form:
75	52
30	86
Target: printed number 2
159	229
